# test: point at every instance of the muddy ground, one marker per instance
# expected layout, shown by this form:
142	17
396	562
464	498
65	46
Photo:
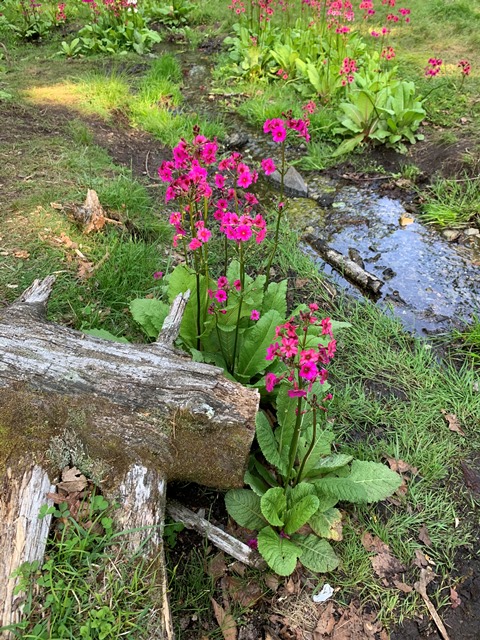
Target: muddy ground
270	618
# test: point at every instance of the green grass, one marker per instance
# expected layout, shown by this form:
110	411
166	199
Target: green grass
452	203
86	569
470	338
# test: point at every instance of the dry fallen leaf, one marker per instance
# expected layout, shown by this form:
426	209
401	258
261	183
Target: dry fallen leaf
374	544
225	621
406	588
453	423
454	598
405	220
23	255
72	480
217	566
424	537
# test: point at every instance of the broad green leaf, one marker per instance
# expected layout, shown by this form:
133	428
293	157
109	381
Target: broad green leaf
150	314
322	448
257	485
299	491
316	554
273	505
300	512
327	524
325	502
367	482
280	553
276	297
243	506
255	342
328	464
179	281
104	334
266	439
265	474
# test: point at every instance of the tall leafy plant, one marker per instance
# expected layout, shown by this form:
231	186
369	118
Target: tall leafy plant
296	480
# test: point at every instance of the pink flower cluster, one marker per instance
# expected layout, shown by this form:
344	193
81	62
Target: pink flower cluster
61	15
306	365
433	67
278	127
464	67
348	68
388	53
188	180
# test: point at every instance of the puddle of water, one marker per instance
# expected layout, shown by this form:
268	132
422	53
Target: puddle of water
431	283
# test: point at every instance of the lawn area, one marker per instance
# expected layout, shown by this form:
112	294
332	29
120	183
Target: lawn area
369	496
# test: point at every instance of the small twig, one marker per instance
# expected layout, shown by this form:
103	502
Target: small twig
220	538
426	576
147	171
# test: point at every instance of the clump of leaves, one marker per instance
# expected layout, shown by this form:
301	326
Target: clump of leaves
297	479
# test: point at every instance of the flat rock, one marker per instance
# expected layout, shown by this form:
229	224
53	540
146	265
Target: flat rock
293	183
451	234
472	231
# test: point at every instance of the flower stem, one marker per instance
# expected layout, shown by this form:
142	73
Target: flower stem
279	217
294	443
310	448
242	284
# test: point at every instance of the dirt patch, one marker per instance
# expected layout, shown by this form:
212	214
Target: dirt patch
127	146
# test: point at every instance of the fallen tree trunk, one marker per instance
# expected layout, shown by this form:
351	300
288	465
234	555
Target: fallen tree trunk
345	266
131	416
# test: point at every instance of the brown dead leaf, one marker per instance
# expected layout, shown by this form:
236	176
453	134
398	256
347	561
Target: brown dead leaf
400	466
56	205
424	537
355	624
406	588
405	220
272	581
326	622
373	544
454	598
72	480
225	621
23	255
453	423
217	566
386	565
243	592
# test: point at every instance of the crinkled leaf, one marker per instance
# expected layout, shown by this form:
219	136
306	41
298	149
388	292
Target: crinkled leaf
300	512
150	314
316	554
327	464
280	553
255	341
321	448
273	505
257	484
327	524
244	507
266	440
276	297
367	482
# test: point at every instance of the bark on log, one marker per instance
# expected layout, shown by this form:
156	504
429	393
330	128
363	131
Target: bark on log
130	415
345	266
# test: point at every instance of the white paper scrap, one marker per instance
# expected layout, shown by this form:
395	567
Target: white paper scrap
325	594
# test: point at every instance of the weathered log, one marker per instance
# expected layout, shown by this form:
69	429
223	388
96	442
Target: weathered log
345	266
130	416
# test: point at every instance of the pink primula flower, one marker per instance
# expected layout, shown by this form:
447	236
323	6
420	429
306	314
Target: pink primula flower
268	166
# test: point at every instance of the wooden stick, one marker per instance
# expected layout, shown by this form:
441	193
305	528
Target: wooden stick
346	267
220	538
426	576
